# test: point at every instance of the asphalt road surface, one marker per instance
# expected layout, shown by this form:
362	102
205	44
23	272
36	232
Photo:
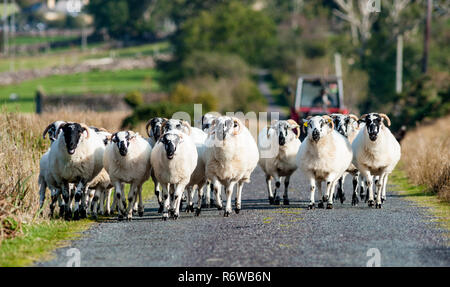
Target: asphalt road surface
265	235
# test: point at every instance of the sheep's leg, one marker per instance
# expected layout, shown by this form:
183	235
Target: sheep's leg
177	200
157	188
321	196
229	193
95	200
141	203
132	195
54	198
369	181
269	189
340	188
61	204
383	195
361	186
286	188
166	202
206	200
108	202
90	197
379	188
42	190
238	207
200	200
277	187
217	192
190	199
312	189
355	182
80	201
331	186
118	190
66	197
101	207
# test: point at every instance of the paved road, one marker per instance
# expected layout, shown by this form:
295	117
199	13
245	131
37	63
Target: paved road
264	235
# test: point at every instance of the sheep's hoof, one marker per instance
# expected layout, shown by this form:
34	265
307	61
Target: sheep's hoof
355	200
141	213
271	200
285	201
370	203
226	214
83	213
342	198
165	216
237	210
160	209
76	215
197	211
277	201
320	205
175	217
383	199
329	206
190	208
311	206
94	216
219	207
120	217
67	214
61	212
106	213
378	205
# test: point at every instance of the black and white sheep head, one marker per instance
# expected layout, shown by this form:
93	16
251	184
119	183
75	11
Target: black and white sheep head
53	130
224	126
73	133
318	127
286	131
207	120
122	140
344	123
374	122
155	125
171	140
175	124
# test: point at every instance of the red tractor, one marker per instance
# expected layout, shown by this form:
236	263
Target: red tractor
317	95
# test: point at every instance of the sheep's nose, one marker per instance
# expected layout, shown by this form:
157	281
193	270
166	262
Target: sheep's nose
281	140
315	134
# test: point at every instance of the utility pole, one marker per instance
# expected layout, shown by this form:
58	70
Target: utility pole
399	66
426	43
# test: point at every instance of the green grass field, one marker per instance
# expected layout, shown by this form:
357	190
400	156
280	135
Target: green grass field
30	40
94	82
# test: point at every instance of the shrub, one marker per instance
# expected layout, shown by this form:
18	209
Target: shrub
134	99
314	49
246	97
182	94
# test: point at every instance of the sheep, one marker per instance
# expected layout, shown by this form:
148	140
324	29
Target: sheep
127	160
76	157
281	140
231	156
324	155
376	152
206	122
154	133
174	159
347	125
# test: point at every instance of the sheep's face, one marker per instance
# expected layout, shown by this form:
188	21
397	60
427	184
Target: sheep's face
54	130
318	127
174	124
207	120
224	127
373	123
171	142
286	132
155	127
72	134
122	140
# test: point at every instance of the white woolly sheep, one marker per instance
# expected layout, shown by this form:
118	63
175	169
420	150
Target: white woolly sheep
231	156
324	155
376	152
76	157
278	146
174	159
127	160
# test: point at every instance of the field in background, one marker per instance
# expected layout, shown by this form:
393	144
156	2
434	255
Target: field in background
426	157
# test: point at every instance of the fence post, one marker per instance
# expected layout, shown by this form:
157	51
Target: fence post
38	100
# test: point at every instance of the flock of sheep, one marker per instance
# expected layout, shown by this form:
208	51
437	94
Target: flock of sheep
85	163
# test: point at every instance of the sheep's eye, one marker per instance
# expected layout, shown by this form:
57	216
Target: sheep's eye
178	126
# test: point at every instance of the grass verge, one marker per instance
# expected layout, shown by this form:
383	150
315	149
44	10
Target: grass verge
39	240
439	209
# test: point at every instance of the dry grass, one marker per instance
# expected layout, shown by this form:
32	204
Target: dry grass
426	156
21	146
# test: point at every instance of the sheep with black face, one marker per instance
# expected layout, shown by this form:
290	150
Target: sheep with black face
76	157
324	155
231	156
376	152
278	146
127	160
173	159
